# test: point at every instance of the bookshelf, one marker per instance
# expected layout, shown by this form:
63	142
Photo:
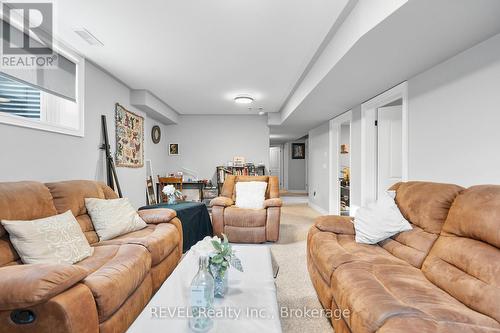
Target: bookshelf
247	170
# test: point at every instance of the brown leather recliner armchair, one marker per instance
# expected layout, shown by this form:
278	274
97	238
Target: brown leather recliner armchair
247	225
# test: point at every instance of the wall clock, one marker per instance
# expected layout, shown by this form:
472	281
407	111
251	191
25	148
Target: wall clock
156	134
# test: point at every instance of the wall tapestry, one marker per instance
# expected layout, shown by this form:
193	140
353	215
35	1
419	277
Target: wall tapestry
129	138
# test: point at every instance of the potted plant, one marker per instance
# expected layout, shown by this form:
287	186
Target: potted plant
221	257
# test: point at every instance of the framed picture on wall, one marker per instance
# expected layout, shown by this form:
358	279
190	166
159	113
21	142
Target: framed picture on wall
173	149
298	151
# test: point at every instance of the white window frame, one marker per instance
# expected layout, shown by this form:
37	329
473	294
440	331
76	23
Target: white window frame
20	121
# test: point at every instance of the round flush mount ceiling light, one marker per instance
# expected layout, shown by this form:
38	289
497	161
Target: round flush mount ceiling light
243	99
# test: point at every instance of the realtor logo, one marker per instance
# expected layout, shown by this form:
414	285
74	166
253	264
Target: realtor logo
27	35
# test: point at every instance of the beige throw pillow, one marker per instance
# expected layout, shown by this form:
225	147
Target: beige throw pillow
112	218
56	239
250	195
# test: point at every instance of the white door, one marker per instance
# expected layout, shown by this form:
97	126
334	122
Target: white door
275	162
389	147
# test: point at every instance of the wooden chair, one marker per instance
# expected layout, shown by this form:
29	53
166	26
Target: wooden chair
164	181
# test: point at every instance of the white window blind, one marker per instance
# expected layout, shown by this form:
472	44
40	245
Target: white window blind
18	98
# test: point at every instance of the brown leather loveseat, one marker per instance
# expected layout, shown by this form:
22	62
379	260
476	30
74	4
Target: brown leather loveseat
442	276
247	225
102	293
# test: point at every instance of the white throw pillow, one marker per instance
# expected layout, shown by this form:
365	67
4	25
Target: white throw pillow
113	217
250	194
379	220
52	240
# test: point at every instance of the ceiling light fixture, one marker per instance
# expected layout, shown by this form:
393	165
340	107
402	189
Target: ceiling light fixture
243	99
261	113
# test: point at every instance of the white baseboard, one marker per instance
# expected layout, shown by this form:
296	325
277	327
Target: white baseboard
317	208
297	191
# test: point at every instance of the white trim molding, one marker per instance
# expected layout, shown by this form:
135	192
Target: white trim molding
334	163
369	139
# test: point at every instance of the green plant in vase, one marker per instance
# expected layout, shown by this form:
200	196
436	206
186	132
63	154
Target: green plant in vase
222	256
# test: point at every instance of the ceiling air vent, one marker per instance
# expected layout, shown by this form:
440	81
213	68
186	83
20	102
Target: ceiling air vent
88	37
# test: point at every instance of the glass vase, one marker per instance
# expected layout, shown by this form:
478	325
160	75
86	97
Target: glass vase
220	280
171	200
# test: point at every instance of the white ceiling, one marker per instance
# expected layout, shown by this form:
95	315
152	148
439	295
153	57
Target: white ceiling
196	55
419	35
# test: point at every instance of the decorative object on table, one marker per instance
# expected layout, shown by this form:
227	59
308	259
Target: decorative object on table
164	181
298	151
173	149
112	177
202	298
156	134
172	194
150	191
238	161
344	149
222	257
129	138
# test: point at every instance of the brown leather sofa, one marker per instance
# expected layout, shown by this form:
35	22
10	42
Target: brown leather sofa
442	276
247	225
102	293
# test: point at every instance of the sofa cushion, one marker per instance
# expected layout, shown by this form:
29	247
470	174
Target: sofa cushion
113	217
55	239
71	195
465	259
159	239
420	325
329	251
374	293
114	273
241	217
250	195
425	205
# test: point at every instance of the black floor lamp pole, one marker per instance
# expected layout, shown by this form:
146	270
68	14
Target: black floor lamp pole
110	165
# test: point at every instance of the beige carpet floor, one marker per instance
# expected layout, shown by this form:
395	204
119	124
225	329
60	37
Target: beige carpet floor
295	290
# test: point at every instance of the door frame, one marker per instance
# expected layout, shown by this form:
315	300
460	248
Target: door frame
281	160
334	159
369	139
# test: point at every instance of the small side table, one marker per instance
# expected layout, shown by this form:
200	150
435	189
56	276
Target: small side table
195	220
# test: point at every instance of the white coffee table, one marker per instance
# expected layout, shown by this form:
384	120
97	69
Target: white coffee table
249	306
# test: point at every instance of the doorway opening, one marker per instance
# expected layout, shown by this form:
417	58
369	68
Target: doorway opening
384	142
276	162
340	165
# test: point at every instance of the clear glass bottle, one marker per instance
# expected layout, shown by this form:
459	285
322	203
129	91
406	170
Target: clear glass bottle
202	298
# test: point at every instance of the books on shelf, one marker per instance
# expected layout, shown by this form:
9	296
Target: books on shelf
248	169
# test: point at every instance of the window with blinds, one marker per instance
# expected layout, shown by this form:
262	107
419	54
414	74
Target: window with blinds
17	98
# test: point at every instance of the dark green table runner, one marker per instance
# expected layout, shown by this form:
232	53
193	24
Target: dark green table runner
194	218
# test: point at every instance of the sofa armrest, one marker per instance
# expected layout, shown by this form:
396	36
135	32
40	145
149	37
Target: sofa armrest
157	215
275	202
336	224
23	286
222	201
